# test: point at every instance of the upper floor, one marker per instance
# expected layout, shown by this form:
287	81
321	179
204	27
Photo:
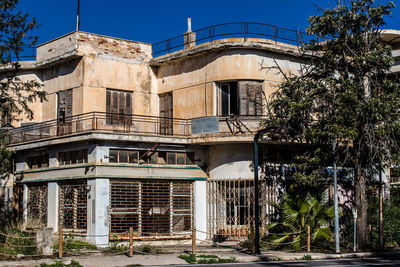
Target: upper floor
204	90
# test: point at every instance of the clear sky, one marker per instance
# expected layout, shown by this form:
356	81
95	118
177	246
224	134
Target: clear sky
154	20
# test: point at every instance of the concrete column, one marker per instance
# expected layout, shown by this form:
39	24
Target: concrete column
200	209
98	203
52	206
25	206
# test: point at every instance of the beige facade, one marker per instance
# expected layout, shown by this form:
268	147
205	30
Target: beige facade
180	124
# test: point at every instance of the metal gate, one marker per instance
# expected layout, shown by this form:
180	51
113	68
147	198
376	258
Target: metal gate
231	205
154	209
73	206
37	206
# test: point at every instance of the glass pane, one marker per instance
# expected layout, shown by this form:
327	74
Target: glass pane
171	158
162	158
113	156
123	156
133	156
153	158
67	157
190	158
180	158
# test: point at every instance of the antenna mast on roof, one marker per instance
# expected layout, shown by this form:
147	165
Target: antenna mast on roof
77	16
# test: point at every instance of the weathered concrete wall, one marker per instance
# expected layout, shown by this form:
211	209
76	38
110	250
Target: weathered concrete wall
230	161
192	77
57	47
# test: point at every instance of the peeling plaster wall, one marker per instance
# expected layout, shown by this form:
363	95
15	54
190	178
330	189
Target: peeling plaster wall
188	76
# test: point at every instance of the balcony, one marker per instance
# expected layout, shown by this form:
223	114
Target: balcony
133	125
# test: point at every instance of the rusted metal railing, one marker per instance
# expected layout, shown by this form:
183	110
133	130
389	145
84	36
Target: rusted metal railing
236	29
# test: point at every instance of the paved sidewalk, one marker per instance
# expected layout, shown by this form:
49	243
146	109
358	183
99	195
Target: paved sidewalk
172	253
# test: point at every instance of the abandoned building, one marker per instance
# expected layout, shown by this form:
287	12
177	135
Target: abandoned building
158	137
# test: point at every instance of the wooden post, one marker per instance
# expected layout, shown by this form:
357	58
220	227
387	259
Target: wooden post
60	243
194	241
252	240
308	238
130	241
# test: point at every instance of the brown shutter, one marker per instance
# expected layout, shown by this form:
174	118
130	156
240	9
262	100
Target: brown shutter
243	98
251	99
108	107
258	94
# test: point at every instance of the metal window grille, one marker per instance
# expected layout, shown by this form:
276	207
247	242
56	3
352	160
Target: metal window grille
152	208
37	205
231	206
73	206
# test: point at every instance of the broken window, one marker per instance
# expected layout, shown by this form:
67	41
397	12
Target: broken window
240	98
36	162
64	112
118	107
73	157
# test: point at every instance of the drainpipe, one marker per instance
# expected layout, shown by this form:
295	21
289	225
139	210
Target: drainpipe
256	198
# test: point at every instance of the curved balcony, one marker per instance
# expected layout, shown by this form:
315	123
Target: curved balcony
243	30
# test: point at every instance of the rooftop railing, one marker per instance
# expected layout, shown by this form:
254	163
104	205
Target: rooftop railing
236	29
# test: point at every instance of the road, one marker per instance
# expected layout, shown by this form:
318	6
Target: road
395	261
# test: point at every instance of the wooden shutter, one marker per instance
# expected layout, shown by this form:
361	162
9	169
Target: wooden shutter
258	96
108	107
166	113
243	98
250	97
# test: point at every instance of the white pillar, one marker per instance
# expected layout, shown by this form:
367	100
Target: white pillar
98	202
25	206
52	206
200	209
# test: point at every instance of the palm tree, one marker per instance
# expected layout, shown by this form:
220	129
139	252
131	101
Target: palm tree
297	214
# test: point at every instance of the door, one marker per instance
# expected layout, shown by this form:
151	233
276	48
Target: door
64	112
166	114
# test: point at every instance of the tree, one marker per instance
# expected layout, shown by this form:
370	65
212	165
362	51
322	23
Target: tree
344	94
299	212
15	94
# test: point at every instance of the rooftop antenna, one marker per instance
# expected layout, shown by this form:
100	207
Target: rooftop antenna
77	16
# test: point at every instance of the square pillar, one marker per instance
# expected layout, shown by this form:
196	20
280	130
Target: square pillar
25	206
52	205
98	203
200	209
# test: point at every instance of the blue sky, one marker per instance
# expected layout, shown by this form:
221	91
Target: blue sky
154	20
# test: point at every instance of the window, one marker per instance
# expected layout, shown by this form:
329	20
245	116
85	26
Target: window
73	157
240	98
36	162
118	107
150	157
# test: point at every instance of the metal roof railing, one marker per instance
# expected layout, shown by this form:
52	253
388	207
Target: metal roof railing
236	29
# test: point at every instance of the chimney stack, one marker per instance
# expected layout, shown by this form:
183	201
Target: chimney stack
189	37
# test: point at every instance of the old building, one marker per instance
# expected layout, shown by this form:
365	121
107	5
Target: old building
154	136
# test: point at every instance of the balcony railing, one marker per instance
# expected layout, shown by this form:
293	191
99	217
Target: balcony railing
110	123
236	29
101	122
